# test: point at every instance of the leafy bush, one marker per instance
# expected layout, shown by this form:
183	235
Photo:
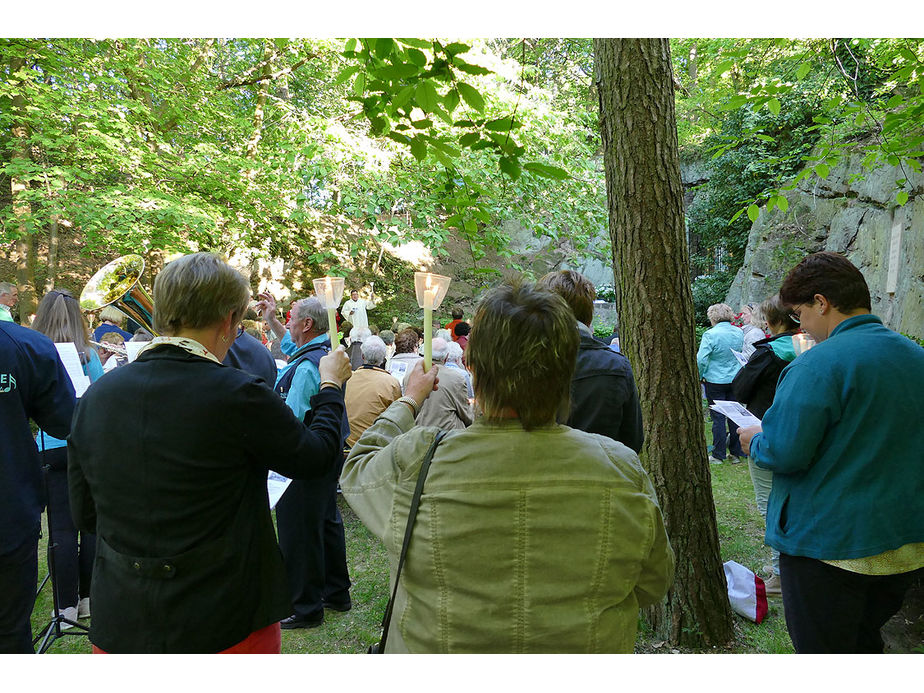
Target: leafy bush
707	290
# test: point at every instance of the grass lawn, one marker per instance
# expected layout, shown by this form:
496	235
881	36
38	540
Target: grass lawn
740	533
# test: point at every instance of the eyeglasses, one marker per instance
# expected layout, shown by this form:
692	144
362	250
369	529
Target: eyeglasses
795	318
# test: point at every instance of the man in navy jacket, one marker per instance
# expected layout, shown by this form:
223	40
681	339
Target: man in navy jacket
33	385
604	398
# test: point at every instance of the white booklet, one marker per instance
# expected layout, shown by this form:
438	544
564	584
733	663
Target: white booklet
132	349
71	360
736	412
740	356
276	485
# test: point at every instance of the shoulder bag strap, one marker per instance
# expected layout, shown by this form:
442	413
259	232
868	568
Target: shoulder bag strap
412	515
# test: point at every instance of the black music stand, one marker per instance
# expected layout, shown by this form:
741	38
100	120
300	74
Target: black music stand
52	631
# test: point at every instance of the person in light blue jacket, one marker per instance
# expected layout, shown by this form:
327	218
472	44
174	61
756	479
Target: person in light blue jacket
58	316
717	368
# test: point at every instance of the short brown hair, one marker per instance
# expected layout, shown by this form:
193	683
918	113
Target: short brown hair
522	352
775	313
406	341
831	275
577	291
197	291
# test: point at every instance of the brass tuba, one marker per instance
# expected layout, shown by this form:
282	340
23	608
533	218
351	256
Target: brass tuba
117	284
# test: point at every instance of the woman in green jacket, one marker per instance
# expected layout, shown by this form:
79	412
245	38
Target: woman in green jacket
531	536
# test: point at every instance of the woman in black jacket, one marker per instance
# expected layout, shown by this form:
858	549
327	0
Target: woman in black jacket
168	463
755	386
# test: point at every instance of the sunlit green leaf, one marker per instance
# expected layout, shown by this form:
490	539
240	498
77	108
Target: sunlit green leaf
822	170
471	96
773	105
753	212
546	170
426	96
511	167
901	198
803	70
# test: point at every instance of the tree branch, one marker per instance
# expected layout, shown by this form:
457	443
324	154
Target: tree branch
265	78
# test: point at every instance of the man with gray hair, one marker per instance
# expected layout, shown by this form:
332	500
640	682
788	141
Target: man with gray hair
310	527
372	389
447	407
9	295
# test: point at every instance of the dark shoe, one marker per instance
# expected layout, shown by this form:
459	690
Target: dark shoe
295	621
338	606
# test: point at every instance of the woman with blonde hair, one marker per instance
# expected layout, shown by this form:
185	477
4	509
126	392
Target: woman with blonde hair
58	316
717	368
170	456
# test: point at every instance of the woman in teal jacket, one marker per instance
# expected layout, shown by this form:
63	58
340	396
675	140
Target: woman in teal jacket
848	464
717	368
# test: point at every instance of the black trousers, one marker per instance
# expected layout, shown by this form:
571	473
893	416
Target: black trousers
18	576
313	544
74	551
722	391
834	611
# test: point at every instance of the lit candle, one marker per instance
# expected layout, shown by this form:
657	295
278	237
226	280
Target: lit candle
430	289
329	291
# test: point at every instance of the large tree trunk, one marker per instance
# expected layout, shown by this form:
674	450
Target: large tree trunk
655	306
24	246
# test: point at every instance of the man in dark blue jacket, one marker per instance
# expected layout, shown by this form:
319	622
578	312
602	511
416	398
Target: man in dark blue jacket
33	385
604	398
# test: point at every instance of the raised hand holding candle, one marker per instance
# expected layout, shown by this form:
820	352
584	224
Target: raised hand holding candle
431	290
329	291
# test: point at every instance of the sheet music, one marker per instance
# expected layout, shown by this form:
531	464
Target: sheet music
740	356
736	412
276	485
132	349
71	360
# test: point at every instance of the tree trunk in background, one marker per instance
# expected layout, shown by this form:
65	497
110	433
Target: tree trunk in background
52	254
655	306
24	247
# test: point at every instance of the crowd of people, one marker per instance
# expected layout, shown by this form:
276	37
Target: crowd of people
538	528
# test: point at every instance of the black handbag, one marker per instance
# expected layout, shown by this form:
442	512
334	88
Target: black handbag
379	647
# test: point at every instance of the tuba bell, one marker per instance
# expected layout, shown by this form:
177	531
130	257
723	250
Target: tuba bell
118	285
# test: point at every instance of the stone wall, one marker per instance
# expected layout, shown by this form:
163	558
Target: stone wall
855	217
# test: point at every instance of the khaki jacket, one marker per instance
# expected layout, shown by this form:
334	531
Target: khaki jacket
540	541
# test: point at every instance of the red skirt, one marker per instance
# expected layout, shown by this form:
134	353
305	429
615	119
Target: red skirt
264	641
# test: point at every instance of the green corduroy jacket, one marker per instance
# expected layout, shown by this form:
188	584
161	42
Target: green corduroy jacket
540	541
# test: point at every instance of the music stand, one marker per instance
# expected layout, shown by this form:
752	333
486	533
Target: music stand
53	630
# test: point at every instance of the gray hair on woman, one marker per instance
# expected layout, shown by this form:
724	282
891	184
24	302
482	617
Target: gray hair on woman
58	316
197	291
374	351
387	336
522	353
720	312
443	333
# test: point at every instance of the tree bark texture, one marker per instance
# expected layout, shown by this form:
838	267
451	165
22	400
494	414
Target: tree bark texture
655	303
24	246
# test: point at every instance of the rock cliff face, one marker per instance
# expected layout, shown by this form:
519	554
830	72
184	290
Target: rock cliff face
857	218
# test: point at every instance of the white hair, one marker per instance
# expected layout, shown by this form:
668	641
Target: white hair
443	333
440	350
453	353
374	351
360	334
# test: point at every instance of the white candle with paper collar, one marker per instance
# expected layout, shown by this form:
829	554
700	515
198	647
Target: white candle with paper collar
329	291
430	290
